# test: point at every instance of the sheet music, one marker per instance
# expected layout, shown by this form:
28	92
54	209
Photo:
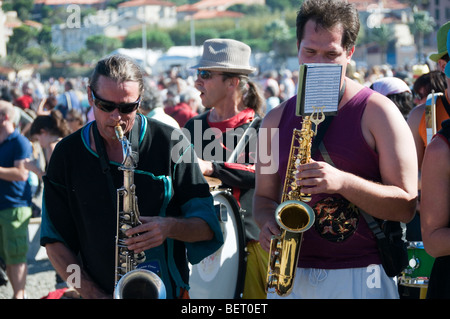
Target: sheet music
319	86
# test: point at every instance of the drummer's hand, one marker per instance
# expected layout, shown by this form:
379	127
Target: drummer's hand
269	229
152	233
206	167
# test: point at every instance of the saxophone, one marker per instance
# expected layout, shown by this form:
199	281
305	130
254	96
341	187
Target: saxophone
130	281
293	216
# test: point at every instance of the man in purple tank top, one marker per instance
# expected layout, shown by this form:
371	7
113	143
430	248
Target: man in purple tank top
374	168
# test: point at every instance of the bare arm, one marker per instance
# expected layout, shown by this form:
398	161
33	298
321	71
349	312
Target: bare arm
435	203
16	173
61	257
414	119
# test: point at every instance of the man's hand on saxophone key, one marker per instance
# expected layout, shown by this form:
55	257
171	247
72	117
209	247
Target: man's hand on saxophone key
151	233
319	177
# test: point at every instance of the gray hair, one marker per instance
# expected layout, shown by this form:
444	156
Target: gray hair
151	98
119	68
7	108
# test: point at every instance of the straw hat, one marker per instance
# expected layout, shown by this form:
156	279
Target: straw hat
225	55
441	38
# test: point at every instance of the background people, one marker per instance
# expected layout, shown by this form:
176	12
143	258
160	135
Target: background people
48	130
187	107
15	200
417	119
152	106
397	91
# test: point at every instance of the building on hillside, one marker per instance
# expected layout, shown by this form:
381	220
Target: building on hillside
395	15
71	36
98	4
376	12
154	12
210	9
7	22
440	11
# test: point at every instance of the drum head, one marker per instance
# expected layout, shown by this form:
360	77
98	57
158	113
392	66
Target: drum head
222	274
214	183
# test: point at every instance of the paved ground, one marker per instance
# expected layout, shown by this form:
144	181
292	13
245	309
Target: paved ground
41	277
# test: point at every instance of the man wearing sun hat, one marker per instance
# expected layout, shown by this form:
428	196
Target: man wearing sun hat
417	119
235	105
441	44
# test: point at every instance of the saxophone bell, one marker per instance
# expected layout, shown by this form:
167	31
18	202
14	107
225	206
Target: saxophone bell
294	218
140	284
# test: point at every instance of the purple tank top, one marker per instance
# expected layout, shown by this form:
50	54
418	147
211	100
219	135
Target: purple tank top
340	237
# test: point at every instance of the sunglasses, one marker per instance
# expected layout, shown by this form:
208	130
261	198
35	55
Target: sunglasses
107	106
206	75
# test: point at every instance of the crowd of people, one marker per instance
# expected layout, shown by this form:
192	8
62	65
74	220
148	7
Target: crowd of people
380	156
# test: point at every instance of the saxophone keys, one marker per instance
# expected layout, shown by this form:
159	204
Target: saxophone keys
140	257
124	228
125	217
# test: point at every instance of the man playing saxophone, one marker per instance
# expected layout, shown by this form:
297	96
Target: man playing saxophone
375	169
79	224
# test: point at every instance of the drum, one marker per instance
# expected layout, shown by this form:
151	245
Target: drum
418	271
222	274
214	183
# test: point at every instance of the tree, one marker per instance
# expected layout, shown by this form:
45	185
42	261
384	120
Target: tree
155	40
282	41
20	38
50	52
22	7
16	62
422	25
102	44
382	35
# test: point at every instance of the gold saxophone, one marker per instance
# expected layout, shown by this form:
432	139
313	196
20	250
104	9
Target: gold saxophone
293	216
131	282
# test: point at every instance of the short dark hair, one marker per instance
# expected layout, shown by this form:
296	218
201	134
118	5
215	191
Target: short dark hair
327	14
434	80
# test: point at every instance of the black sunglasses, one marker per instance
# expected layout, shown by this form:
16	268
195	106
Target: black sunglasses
107	106
206	75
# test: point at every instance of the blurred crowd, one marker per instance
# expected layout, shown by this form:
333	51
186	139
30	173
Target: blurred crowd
173	98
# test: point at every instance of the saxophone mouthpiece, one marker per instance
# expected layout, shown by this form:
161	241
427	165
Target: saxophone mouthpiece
119	132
